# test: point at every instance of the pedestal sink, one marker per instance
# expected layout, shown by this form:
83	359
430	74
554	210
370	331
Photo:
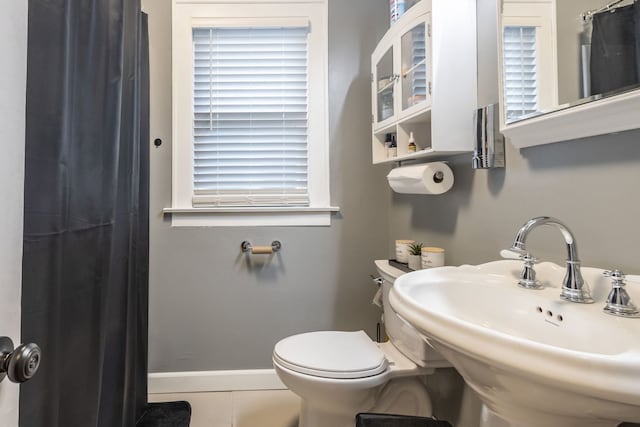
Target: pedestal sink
534	359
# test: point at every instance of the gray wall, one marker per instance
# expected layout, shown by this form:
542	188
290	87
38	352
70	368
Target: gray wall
210	309
569	30
591	185
13	79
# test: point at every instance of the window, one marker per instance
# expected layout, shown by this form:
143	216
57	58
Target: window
530	69
250	124
520	80
250	116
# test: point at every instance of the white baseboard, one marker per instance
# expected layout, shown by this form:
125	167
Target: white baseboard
210	381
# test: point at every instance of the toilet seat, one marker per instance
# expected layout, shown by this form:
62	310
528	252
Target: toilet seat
331	354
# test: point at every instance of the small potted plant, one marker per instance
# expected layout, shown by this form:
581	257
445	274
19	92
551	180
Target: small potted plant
415	256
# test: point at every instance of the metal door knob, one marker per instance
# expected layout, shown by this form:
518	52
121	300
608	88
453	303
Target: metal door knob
21	364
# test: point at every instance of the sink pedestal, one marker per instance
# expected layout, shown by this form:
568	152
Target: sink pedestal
510	400
536	419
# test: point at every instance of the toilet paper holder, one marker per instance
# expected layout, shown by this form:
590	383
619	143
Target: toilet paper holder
247	247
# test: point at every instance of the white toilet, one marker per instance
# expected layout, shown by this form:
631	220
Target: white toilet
339	374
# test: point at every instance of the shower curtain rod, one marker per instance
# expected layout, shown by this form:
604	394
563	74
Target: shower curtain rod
588	15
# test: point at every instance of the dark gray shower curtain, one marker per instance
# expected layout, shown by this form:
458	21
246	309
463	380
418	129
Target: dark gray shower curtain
85	264
636	20
615	49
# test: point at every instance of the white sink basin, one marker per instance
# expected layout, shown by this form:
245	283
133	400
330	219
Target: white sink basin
534	359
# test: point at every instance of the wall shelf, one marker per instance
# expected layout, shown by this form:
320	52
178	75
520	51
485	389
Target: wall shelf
424	81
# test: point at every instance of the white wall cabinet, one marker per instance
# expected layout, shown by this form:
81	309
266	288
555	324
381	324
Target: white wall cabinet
424	79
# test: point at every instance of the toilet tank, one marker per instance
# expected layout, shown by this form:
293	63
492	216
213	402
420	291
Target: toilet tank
401	334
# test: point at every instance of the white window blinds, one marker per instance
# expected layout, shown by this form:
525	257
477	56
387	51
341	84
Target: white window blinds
250	105
520	78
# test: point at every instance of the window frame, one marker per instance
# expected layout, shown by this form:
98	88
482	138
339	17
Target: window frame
190	13
541	15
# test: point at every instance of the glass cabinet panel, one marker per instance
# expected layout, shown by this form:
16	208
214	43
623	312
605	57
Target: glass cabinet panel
415	85
385	86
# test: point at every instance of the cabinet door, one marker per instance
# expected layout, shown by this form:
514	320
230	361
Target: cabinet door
384	87
415	62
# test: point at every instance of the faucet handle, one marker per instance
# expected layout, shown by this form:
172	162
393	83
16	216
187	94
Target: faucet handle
528	275
620	279
618	301
525	256
511	254
626	278
617	276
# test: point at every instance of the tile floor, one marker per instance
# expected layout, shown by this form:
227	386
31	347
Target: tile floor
263	408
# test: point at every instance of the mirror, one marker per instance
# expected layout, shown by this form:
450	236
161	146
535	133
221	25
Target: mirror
561	53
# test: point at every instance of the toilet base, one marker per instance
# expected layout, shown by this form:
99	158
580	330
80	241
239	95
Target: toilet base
402	396
311	416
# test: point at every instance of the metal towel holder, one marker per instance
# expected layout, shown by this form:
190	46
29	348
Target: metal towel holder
246	247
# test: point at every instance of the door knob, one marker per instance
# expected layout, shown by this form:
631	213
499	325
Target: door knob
19	364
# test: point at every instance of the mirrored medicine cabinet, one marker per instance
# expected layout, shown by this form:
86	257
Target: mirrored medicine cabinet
568	68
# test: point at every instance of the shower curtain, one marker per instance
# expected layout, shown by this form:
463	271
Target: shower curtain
85	263
636	19
615	49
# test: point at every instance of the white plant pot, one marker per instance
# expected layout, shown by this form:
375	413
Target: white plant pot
415	262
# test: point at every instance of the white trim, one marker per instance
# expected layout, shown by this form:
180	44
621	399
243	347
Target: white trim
185	13
13	83
275	209
246	1
542	15
212	381
232	22
614	114
251	218
258	216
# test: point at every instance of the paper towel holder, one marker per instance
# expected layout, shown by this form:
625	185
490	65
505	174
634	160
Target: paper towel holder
424	178
488	149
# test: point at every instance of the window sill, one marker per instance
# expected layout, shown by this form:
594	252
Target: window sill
251	217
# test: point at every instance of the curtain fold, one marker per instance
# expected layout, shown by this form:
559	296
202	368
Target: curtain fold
85	261
613	49
636	19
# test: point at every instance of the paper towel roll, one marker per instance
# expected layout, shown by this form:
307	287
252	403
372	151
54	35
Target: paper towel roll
426	178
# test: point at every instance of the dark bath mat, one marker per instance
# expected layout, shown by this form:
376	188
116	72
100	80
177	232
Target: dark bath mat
387	420
166	414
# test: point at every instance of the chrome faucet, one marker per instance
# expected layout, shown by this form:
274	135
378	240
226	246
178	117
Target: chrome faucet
574	288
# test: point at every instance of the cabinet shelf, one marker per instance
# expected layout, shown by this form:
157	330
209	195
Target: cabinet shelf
422	114
426	153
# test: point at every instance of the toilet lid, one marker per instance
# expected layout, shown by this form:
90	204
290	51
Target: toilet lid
331	354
